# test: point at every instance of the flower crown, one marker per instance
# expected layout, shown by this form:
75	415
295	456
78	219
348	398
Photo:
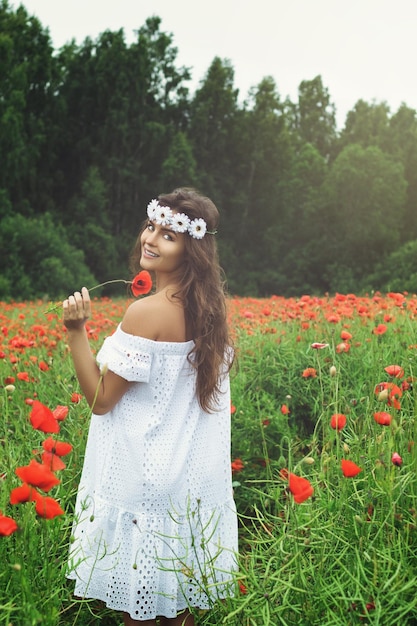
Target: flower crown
178	222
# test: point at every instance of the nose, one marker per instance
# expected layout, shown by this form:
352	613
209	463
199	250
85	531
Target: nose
150	237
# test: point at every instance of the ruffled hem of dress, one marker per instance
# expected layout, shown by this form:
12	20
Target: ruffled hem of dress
151	566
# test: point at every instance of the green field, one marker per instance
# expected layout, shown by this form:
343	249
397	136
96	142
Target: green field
320	386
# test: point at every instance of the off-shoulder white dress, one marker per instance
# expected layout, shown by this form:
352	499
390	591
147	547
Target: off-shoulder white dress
155	527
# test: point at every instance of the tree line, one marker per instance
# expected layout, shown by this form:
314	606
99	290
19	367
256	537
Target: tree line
91	132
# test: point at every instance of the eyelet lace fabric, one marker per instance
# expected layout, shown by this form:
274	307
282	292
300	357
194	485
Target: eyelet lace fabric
155	527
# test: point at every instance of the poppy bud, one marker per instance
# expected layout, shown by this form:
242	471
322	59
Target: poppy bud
332	371
396	459
309	460
104	369
383	395
10	388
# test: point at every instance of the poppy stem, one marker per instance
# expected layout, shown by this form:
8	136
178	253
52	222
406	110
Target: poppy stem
57	305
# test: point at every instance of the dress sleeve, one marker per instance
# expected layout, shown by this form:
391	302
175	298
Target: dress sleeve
124	355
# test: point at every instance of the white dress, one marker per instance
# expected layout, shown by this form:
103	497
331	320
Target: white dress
155	528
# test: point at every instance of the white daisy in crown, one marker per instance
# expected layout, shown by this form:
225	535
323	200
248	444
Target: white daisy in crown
180	222
163	215
152	206
197	228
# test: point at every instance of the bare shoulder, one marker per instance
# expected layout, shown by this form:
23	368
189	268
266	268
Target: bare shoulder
156	318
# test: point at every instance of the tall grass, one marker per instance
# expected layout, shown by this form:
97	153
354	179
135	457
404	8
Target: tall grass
345	555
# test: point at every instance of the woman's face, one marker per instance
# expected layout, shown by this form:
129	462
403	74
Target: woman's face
163	250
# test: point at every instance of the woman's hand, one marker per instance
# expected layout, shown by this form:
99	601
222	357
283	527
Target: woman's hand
77	309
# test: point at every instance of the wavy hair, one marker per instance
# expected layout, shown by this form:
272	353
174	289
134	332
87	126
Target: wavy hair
202	295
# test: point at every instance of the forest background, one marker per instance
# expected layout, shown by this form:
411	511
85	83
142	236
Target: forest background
90	133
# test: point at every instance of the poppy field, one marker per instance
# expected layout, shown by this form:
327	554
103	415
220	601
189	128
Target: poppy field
324	462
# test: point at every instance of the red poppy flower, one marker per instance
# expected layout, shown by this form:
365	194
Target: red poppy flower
319	346
23	376
242	588
345	335
338	421
381	329
342	347
237	465
285	410
53	461
349	468
44	367
382	418
61	448
300	488
309	372
7	526
37	475
141	284
60	412
24	493
47	507
76	397
396	371
392	394
43	419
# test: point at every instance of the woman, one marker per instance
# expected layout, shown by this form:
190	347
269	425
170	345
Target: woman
155	531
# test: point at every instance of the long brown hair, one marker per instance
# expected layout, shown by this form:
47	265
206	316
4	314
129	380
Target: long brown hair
202	294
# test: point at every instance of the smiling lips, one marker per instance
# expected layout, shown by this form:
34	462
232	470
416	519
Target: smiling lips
150	253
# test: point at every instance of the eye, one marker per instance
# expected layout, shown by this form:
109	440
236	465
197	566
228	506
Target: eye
168	237
150	226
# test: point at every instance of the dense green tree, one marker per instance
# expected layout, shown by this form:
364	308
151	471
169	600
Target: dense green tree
365	194
89	134
316	115
366	125
124	104
38	260
27	81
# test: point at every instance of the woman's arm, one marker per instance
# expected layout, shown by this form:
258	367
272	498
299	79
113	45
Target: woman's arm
101	393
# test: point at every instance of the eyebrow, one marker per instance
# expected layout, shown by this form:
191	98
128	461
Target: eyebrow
164	229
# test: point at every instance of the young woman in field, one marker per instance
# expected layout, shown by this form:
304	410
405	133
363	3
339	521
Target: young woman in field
155	530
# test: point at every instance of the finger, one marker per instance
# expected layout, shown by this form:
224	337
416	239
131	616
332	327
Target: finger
87	303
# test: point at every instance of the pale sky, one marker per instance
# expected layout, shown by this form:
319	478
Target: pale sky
363	49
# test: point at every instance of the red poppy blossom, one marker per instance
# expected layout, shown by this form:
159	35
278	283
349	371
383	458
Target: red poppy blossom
285	410
345	335
319	346
396	371
300	488
60	412
383	418
44	367
309	372
237	465
392	395
61	448
48	507
141	284
23	376
381	329
342	347
349	468
42	418
53	461
24	493
338	421
242	588
76	397
37	475
7	525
